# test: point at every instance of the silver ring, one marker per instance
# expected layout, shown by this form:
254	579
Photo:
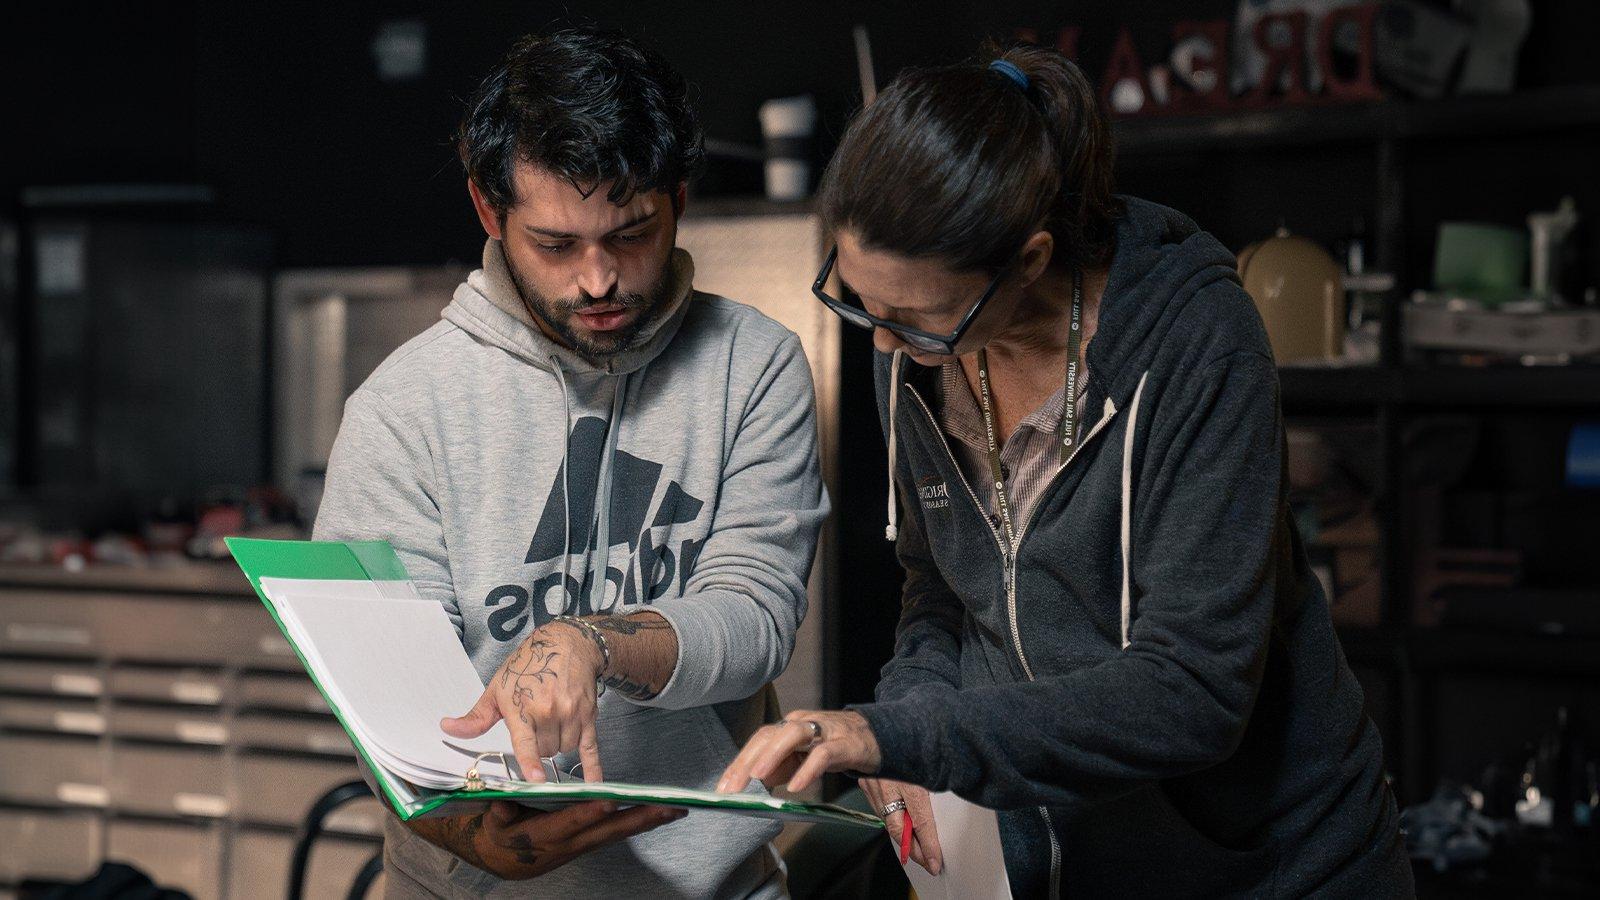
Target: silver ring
892	807
816	728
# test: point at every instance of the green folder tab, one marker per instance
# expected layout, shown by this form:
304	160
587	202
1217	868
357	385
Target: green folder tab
331	560
376	561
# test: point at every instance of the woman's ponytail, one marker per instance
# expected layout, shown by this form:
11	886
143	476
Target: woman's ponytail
1085	205
962	163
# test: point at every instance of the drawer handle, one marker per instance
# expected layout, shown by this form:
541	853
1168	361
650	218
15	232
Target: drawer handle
82	794
43	633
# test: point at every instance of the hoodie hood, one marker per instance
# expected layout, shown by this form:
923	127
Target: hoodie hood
489	306
1161	262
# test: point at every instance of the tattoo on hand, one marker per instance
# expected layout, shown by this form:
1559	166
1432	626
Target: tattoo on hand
462	835
522	848
531	661
615	624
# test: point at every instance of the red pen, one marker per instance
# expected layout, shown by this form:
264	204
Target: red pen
905	837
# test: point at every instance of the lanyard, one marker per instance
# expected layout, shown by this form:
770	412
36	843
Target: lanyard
1066	432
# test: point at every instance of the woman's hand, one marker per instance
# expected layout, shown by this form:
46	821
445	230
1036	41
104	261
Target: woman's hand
924	833
546	692
801	747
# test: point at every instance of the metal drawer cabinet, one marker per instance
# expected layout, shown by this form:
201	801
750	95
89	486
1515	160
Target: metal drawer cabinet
52	770
169	781
176	724
66	715
48	844
49	676
277	790
258	868
196	630
280	691
166	684
174	854
305	734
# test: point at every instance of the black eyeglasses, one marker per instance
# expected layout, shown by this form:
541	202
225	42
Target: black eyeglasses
926	341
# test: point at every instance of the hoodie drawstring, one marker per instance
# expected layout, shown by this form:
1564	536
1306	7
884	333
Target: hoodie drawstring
892	530
1127	507
602	497
602	510
566	474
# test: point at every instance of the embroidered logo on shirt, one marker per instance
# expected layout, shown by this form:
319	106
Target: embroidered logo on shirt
933	493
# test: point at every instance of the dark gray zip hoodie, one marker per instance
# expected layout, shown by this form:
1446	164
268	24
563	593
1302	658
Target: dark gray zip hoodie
1152	691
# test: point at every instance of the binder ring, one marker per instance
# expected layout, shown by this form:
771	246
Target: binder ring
475	780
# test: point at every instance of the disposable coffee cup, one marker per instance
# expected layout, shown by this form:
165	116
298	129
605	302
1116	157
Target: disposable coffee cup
788	126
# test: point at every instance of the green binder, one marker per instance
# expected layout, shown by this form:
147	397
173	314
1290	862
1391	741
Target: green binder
376	561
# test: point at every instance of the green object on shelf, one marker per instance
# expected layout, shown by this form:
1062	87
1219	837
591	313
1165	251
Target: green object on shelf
1481	261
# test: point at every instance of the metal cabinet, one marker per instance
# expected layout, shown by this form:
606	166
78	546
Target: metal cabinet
167	724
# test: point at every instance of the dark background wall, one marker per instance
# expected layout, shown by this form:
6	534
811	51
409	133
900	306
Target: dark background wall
279	107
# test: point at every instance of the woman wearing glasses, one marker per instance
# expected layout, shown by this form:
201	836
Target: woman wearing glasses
1109	632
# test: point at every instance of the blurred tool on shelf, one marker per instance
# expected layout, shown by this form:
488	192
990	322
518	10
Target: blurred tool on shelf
1504	294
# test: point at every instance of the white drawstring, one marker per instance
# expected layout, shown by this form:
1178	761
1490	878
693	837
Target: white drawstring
892	530
608	464
1127	506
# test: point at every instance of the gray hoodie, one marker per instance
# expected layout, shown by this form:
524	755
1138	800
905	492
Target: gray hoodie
491	458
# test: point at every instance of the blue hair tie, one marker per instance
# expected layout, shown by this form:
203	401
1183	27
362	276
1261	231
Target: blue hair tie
1009	69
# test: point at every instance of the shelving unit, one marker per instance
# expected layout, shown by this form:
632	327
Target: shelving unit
1382	143
159	716
1541	110
1307	390
1414	659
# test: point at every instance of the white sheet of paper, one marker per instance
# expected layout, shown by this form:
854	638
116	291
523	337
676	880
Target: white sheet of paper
396	667
974	863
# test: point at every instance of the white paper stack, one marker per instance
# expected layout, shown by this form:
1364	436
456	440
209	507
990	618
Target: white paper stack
395	667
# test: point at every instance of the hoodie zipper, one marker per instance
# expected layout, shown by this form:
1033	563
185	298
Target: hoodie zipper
1008	554
1016	635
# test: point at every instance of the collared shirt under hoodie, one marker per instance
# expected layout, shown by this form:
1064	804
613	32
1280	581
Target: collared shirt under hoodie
518	480
1150	690
1030	457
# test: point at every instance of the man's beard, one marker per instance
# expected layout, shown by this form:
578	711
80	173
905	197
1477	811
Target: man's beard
557	315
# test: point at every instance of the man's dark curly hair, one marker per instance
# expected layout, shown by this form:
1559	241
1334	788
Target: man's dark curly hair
589	105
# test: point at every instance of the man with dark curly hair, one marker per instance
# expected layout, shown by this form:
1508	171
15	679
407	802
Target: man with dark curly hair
608	480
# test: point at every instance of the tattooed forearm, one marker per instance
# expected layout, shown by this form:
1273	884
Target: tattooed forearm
624	625
631	689
644	651
467	840
637	652
457	834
